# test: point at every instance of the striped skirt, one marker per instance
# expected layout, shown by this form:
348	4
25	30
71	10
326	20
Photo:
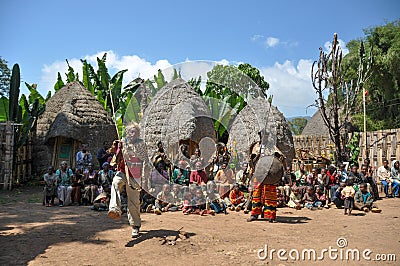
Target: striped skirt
264	201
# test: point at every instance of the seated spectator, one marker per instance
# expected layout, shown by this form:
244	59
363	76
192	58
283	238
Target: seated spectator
339	199
198	176
366	176
342	173
64	182
295	199
199	203
286	183
301	176
187	203
177	193
91	187
181	174
333	184
224	179
322	181
214	203
236	197
105	178
363	200
83	158
242	177
77	184
281	198
148	202
395	175
164	201
50	186
309	199
159	177
384	175
103	153
312	178
196	157
320	197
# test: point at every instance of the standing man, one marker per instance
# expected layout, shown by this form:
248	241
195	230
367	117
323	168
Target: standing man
83	158
103	153
136	166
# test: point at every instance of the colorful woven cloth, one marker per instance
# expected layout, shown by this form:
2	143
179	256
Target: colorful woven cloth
264	200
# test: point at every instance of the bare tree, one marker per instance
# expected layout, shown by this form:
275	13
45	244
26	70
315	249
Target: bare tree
336	98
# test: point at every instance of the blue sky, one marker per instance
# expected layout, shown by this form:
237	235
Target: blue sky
281	38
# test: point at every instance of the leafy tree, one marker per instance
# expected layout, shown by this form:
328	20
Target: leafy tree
297	125
383	86
228	89
5	75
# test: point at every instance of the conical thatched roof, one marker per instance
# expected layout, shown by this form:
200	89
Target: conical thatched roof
315	126
74	113
176	113
252	119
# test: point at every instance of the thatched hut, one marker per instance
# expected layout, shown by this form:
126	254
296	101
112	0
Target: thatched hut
176	115
73	117
316	126
256	116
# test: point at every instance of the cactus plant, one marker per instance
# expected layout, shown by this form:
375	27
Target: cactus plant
14	93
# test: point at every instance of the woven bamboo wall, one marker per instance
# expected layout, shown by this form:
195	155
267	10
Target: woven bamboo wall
382	144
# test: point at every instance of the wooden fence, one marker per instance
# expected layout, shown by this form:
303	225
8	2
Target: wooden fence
382	144
14	170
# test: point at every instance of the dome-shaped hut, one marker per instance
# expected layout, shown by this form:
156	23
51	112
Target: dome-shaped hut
252	119
73	117
176	115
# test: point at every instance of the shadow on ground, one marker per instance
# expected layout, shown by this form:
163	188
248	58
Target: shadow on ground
28	229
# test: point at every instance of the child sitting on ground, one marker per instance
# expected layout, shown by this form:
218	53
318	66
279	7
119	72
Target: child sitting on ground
281	198
164	201
295	199
364	201
214	203
199	202
309	199
320	197
187	203
339	198
236	197
348	193
177	193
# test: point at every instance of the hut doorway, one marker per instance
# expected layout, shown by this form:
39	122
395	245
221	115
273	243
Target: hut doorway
64	149
192	145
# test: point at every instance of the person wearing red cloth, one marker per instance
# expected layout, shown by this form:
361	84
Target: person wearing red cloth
198	176
136	165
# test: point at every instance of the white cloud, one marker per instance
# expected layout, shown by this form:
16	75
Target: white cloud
135	65
290	83
291	87
256	37
272	42
342	44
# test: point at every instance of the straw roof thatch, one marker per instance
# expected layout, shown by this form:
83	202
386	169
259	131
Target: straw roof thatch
73	113
256	116
176	113
316	126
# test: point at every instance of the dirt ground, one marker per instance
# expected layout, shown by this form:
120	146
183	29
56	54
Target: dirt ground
31	234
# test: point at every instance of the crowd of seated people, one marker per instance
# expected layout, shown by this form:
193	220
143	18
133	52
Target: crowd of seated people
188	187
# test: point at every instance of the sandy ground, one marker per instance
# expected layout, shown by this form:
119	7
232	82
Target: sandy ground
31	234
